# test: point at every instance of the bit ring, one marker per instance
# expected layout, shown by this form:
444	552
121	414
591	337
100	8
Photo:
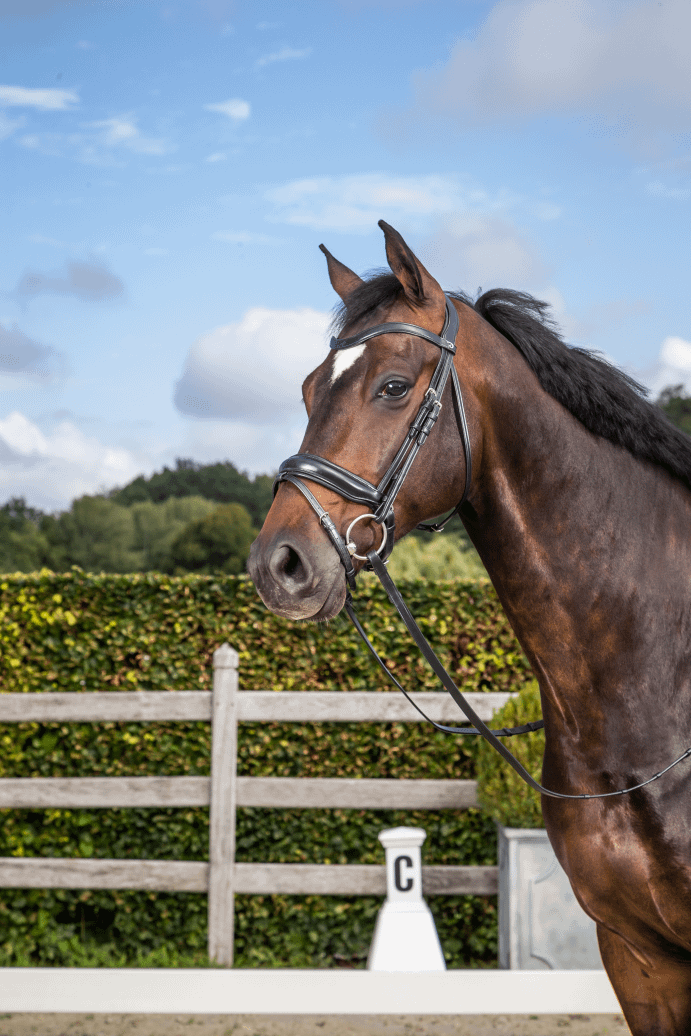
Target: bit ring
352	547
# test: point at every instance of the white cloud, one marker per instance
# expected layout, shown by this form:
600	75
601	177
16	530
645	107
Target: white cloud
51	469
89	281
251	371
626	60
483	251
663	190
257	449
355	202
8	126
284	54
218	156
100	143
31	141
21	355
572	327
676	352
234	108
122	132
545	210
32	97
673	366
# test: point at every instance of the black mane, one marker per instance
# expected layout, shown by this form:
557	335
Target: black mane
606	401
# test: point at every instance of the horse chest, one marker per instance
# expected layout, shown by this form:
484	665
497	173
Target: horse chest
638	886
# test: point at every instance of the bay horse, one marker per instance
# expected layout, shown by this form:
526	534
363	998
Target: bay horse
579	505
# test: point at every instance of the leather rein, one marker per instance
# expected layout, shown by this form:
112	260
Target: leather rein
380	499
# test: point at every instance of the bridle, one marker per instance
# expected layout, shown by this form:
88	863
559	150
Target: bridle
380	499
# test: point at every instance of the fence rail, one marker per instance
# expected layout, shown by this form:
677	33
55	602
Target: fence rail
249	878
252	706
273	792
224	707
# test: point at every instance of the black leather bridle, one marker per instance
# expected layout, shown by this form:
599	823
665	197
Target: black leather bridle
380	499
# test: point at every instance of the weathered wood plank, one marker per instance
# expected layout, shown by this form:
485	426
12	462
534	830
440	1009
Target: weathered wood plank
446	880
356	879
253	706
273	792
102	792
154	875
353	793
250	878
361	706
105	706
224	790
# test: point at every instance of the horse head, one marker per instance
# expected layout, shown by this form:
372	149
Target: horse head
361	402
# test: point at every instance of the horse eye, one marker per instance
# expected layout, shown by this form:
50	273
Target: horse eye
394	388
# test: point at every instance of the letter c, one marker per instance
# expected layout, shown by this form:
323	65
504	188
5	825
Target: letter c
398	879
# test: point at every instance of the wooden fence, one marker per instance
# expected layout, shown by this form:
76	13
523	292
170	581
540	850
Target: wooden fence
224	707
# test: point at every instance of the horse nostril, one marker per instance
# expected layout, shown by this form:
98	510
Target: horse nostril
290	561
288	568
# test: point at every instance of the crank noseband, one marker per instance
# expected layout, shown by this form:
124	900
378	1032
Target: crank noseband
380	498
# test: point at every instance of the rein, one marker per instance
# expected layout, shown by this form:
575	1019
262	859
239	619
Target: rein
380	499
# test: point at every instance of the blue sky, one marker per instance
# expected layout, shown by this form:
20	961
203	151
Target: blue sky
169	169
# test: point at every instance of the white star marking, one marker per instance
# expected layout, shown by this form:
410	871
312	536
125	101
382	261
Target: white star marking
345	358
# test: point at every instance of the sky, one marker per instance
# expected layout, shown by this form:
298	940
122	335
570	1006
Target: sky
168	170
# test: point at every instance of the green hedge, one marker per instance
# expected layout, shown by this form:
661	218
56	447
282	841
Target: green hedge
81	632
504	796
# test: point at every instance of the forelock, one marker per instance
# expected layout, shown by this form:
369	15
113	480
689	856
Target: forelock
381	288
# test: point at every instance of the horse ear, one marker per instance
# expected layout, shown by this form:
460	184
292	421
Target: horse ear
419	285
343	280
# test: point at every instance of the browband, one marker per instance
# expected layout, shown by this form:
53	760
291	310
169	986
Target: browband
397	328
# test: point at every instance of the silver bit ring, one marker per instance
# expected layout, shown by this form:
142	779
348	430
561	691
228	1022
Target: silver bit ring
352	547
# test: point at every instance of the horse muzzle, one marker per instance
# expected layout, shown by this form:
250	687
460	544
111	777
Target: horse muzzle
297	579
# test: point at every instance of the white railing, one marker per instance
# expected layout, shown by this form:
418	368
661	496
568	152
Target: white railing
224	707
301	991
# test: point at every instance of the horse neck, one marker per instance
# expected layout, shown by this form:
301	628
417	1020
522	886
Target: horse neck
585	545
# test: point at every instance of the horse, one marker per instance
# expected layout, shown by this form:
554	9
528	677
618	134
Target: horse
579	505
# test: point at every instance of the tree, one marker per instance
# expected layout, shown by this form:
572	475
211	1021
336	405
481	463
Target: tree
439	556
96	534
157	526
218	543
23	545
676	403
221	482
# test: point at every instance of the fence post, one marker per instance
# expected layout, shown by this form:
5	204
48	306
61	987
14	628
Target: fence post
224	729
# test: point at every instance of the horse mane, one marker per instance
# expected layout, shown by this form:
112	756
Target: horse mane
606	401
609	403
